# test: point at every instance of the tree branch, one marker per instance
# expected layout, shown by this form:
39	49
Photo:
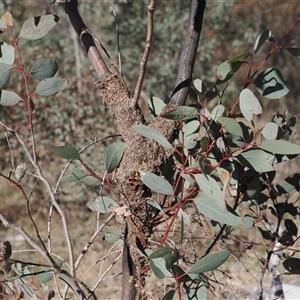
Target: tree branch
151	8
188	53
86	37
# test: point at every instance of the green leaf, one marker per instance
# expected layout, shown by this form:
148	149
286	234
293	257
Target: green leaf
196	294
51	86
256	159
210	262
272	131
159	268
169	295
292	265
181	113
190	141
239	57
226	70
271	84
102	205
217	112
199	86
5	72
211	189
37	27
231	125
114	235
208	207
113	155
47	276
91	181
44	68
266	35
190	127
69	153
249	104
151	133
156	106
294	51
6	20
156	183
8	98
7	54
161	252
248	222
280	147
76	175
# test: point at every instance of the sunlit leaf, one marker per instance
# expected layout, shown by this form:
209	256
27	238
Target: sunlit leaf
37	27
190	127
76	175
208	207
226	70
231	126
152	133
102	205
156	183
256	159
217	112
266	35
5	72
211	189
280	147
44	68
272	131
51	86
156	106
210	262
239	57
69	153
7	54
8	19
271	84
249	104
113	155
8	98
199	86
91	181
181	113
159	268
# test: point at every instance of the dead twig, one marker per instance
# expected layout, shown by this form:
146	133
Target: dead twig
151	8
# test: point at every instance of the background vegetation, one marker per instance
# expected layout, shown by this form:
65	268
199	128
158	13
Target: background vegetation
76	116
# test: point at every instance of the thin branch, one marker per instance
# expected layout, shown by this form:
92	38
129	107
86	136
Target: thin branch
51	194
85	36
188	53
90	242
151	8
118	38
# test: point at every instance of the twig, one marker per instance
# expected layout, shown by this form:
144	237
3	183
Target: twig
51	194
107	270
118	38
88	245
151	8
